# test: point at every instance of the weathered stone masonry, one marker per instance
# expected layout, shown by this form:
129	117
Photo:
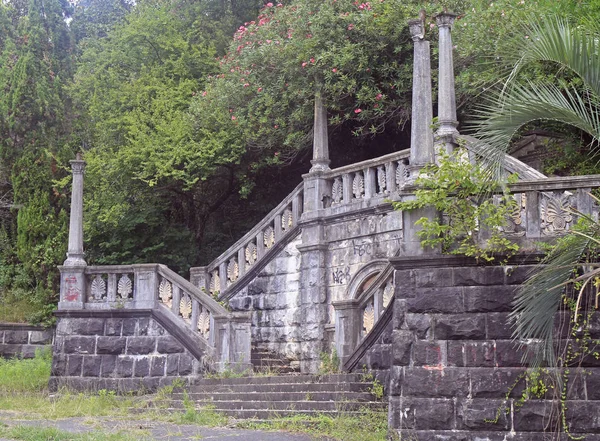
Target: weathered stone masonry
454	366
23	341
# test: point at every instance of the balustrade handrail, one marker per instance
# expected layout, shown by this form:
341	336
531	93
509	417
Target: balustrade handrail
250	235
556	183
378	283
358	166
206	300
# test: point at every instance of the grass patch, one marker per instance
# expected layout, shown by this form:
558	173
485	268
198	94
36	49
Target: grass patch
30	375
16	306
367	426
30	433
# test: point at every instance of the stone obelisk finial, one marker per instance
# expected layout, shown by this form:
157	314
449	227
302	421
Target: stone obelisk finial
446	94
421	137
75	256
320	160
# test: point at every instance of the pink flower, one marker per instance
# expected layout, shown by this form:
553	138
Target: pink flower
246	84
260	89
204	93
304	64
378	96
269	5
276	153
233	118
276	126
376	106
350	26
312	60
334	70
357	110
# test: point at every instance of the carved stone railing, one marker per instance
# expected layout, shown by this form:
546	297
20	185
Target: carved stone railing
240	262
373	179
548	207
184	309
356	319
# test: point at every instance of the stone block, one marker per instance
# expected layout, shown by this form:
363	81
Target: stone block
79	345
435	382
155	329
498	327
150	384
420	324
428	414
583	416
455	354
108	365
483	414
143	325
437	300
124	367
430	353
433	278
172	364
479	353
534	416
396	381
74	365
91	366
168	345
517	275
111	345
113	327
10	351
479	276
497	383
87	326
157	366
16	337
59	365
41	337
142	367
509	354
592	383
186	364
28	351
129	327
489	298
241	303
380	357
459	327
140	345
402	347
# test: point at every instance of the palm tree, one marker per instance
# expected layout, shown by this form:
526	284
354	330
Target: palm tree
570	49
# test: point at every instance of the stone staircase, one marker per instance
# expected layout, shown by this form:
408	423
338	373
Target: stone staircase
284	395
268	362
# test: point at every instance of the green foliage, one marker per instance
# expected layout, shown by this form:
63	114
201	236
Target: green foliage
330	363
30	375
463	195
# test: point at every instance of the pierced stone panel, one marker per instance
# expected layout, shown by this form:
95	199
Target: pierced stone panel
287	221
185	307
269	237
203	324
233	270
358	185
368	318
381	179
165	293
215	283
556	212
514	221
125	287
401	174
337	190
251	254
98	288
388	294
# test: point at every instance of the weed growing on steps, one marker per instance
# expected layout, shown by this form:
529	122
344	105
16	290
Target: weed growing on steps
30	433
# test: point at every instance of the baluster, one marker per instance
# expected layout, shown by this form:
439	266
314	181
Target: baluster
358	185
584	201
195	314
278	231
532	211
296	207
241	259
381	180
260	245
223	277
111	295
347	188
378	303
370	183
390	176
176	299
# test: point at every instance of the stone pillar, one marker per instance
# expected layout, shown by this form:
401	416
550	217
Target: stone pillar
232	341
347	328
421	136
72	272
313	296
316	187
446	90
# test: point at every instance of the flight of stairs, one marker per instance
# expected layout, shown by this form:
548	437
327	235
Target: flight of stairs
285	395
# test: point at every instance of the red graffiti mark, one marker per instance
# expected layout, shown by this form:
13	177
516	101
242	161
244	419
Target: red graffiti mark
72	292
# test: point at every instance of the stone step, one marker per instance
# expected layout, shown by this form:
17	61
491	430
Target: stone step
271	405
269	414
277	396
282	387
279	379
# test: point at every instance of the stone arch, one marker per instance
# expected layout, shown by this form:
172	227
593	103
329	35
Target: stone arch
365	275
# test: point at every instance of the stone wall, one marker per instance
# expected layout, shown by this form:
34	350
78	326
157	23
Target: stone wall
456	374
17	340
273	297
118	350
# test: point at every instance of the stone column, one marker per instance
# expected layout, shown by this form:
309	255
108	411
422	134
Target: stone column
75	255
446	92
421	136
347	328
72	272
315	185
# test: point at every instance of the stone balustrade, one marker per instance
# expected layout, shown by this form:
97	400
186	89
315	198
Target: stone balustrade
373	179
226	272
